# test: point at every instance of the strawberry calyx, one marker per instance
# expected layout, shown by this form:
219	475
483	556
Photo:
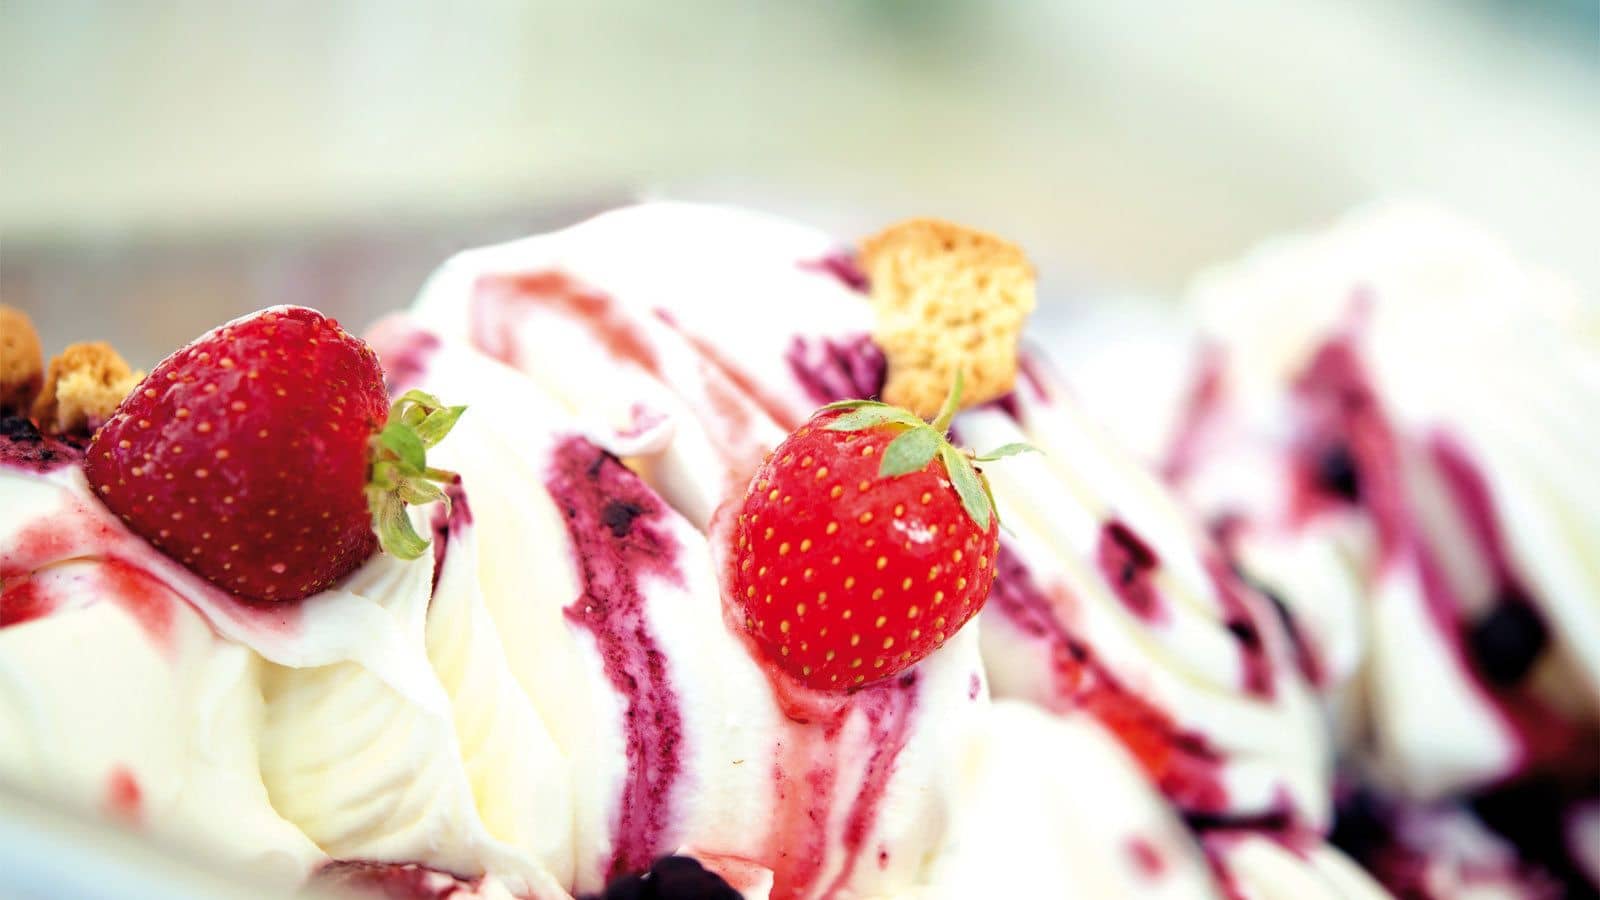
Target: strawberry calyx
399	475
919	441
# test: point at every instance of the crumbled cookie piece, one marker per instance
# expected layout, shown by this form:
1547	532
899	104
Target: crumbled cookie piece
85	384
946	296
21	361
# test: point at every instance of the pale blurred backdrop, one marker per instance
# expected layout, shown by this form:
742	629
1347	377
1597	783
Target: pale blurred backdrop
165	165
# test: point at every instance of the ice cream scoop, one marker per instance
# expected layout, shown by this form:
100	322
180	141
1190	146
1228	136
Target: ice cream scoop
722	328
1428	497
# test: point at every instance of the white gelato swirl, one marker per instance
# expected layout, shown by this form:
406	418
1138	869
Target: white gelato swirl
1487	371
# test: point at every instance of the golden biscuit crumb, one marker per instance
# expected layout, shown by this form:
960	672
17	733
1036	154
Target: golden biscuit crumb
946	296
85	384
21	361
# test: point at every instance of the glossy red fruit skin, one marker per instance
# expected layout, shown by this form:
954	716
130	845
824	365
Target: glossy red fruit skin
829	558
244	455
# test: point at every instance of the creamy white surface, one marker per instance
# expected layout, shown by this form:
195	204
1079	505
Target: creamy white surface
1261	868
331	759
1055	800
87	692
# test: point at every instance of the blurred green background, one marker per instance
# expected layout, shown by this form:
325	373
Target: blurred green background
163	166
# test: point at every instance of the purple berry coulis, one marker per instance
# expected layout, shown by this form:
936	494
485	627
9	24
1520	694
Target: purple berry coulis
615	525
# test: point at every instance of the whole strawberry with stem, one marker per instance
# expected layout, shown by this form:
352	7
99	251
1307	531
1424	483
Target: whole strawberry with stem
865	541
265	456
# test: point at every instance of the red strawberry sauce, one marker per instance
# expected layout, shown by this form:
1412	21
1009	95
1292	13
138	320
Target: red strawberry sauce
1146	858
497	299
1185	767
806	777
24	602
813	765
614	522
134	574
720	397
123	798
77	536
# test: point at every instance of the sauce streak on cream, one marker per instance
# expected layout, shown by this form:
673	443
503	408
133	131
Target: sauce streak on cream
497	298
810	777
123	798
615	524
1182	764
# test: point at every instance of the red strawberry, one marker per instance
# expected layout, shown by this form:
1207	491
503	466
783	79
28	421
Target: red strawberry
864	543
263	456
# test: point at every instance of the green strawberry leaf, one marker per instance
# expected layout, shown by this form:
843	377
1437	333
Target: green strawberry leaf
909	452
432	429
1008	450
399	473
872	416
402	441
989	493
394	528
952	402
417	491
852	404
974	497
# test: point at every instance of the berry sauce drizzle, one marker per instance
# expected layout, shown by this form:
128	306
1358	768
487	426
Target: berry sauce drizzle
136	575
449	521
840	265
838	369
24	602
497	298
1347	454
1197	412
123	798
1350	455
1240	619
22	446
808	778
1146	858
816	761
113	578
745	390
720	398
1183	765
614	523
405	362
1129	566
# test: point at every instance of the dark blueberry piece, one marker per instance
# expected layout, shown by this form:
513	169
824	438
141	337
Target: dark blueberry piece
1361	826
1336	472
1508	641
18	428
1528	813
618	516
671	878
1245	632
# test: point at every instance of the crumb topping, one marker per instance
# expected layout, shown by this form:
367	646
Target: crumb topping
946	296
21	361
82	389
